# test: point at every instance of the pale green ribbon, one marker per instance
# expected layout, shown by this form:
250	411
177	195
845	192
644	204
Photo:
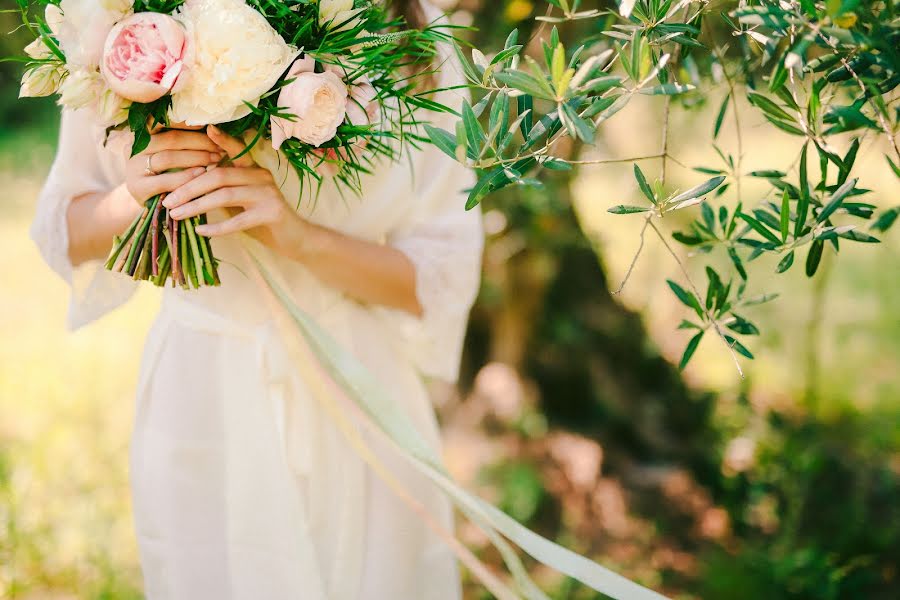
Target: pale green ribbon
369	396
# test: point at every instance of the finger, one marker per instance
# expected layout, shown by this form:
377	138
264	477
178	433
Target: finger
241	222
231	145
180	125
183	159
167	182
229	197
214	179
181	140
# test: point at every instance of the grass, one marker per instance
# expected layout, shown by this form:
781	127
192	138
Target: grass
65	415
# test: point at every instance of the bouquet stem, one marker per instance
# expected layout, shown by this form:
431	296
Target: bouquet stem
157	248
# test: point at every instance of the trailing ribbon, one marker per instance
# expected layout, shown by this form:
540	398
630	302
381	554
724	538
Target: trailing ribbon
365	392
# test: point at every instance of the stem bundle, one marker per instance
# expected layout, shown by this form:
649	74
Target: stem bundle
157	248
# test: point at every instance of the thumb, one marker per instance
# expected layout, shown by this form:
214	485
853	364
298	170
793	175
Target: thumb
231	145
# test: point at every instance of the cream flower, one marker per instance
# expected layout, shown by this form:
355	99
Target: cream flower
338	13
86	88
235	58
38	49
42	80
84	27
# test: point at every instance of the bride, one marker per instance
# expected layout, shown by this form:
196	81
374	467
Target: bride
242	486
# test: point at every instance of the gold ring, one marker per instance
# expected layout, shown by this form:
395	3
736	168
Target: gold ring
149	169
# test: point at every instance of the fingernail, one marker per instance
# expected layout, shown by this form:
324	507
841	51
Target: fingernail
213	129
200	229
176	214
168	202
215	156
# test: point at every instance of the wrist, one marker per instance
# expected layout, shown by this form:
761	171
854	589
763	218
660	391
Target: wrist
300	240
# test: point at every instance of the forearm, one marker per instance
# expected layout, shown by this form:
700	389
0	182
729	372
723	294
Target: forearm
94	219
366	271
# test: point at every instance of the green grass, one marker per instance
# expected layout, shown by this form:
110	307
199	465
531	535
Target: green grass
65	414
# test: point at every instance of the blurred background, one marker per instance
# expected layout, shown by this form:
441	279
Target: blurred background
570	414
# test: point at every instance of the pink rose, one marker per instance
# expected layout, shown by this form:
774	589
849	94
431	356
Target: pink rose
143	57
317	100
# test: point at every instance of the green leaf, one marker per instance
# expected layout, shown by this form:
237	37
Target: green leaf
786	262
506	54
765	298
814	258
759	228
443	140
721	116
835	201
577	127
803	201
525	83
738	347
690	349
699	190
768	106
491	181
785	215
743	326
525	106
687	298
768	174
138	114
666	89
474	132
858	236
738	264
626	209
886	220
642	183
555	164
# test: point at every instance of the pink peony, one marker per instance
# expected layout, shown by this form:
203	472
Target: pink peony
144	56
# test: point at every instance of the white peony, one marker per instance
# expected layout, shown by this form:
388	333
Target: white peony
42	80
84	27
38	49
338	13
86	88
236	57
54	17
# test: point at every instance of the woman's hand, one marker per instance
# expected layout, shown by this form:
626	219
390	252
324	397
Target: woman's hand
367	271
247	192
189	151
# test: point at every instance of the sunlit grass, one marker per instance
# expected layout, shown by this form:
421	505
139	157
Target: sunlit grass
65	417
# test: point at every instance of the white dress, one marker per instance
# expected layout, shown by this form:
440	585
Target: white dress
243	488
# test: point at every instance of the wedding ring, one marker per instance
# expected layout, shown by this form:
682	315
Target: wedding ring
149	169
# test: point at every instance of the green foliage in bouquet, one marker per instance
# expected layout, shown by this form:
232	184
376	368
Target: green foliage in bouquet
815	70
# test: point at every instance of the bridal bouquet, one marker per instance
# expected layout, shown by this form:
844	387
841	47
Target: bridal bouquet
332	84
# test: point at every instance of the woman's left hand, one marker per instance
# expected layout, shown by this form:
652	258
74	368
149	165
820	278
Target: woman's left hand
247	192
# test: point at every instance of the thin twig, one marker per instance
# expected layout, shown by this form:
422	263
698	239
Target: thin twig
664	152
637	255
738	172
712	320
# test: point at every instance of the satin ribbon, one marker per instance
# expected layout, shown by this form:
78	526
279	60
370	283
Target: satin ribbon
358	386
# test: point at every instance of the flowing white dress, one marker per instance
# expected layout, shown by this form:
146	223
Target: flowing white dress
243	487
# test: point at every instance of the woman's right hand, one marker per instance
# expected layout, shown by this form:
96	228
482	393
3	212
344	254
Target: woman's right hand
190	152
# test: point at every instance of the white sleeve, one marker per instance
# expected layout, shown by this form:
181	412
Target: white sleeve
76	171
444	242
